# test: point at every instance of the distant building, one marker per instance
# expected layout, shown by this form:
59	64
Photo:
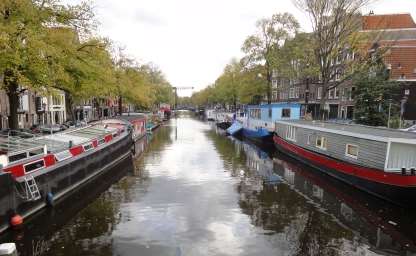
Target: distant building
51	109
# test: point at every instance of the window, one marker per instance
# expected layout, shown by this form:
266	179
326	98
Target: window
274	83
308	139
255	113
338	75
351	151
291	133
292	93
36	152
61	156
331	94
336	93
319	94
88	146
321	142
352	93
274	95
17	157
286	113
270	113
34	166
297	89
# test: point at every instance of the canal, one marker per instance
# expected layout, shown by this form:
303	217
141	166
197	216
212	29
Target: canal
195	191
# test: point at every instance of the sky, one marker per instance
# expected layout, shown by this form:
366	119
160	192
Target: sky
191	41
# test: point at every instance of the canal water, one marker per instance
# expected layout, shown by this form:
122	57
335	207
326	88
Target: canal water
195	191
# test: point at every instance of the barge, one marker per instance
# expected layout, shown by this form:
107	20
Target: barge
38	171
376	160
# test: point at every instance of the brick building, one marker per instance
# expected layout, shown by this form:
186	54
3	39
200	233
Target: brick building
397	34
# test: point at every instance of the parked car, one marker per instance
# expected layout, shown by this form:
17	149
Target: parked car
54	128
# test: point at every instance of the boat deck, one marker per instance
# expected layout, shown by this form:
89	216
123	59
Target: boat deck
361	130
55	142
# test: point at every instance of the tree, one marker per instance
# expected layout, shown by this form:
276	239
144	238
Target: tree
227	86
270	36
375	95
27	56
335	24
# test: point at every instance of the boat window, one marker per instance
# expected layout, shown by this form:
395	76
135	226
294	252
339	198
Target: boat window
286	113
61	156
291	133
88	146
255	113
351	151
270	113
35	152
308	139
17	157
321	142
101	141
34	166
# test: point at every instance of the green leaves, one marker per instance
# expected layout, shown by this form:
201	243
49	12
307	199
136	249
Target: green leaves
45	45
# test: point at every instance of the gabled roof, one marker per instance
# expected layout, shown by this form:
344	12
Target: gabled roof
388	21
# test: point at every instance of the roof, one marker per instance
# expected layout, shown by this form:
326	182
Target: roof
354	130
397	36
388	21
402	61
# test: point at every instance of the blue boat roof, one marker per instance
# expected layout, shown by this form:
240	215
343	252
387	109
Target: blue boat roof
275	105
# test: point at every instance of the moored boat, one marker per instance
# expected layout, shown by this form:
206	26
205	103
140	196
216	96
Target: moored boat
377	160
35	172
235	128
258	120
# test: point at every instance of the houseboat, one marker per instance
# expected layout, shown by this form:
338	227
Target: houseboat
379	161
37	171
258	120
210	114
137	122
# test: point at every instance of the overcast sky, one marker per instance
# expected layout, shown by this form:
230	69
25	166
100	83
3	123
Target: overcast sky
192	40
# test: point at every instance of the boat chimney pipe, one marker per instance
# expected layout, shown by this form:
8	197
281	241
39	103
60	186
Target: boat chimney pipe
403	171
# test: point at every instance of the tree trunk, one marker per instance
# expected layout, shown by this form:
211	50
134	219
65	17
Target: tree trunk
12	93
322	102
269	84
69	106
120	105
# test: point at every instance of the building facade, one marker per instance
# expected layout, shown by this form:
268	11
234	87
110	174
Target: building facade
397	35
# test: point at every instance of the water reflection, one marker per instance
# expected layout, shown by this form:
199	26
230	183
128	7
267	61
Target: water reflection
315	214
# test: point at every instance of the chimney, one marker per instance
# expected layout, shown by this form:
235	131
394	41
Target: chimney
371	12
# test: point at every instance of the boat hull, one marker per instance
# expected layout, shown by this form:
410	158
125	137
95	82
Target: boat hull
224	125
259	135
62	179
403	194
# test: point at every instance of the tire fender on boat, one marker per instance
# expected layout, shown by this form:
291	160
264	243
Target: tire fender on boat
133	149
50	201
